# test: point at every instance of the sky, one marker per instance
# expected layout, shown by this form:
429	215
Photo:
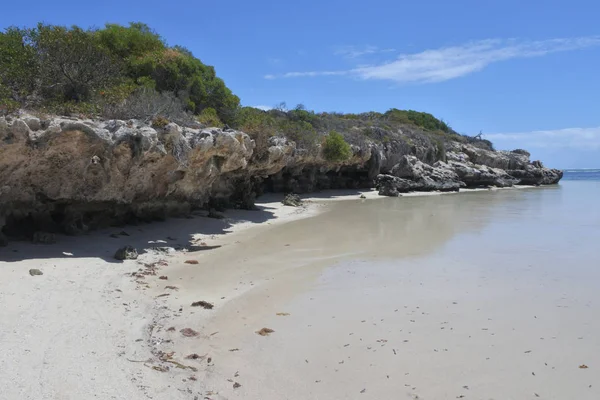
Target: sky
525	73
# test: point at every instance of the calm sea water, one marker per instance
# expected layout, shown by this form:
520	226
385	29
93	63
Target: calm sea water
582	175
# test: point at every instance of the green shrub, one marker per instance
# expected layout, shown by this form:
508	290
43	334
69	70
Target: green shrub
209	117
421	119
159	122
335	148
260	126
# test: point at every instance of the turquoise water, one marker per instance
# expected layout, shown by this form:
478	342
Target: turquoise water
582	174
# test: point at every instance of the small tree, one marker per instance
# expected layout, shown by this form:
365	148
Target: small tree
72	63
335	148
209	117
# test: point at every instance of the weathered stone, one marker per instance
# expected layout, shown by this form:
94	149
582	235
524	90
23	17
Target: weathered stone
20	130
126	253
33	123
35	272
292	200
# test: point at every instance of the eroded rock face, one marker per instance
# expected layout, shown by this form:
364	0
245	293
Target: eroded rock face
466	166
70	175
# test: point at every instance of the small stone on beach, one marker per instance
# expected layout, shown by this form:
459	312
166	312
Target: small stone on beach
35	271
191	261
189	332
126	253
265	331
204	304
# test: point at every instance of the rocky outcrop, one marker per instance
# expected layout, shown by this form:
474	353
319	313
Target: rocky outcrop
411	175
70	175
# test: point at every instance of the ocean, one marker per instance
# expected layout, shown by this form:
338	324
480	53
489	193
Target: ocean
582	174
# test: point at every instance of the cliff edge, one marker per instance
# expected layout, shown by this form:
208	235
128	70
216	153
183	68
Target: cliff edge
69	175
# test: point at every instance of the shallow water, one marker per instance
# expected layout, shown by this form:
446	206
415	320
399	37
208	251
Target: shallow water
486	295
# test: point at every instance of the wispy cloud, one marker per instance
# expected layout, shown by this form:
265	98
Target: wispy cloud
573	138
264	108
307	74
355	52
438	65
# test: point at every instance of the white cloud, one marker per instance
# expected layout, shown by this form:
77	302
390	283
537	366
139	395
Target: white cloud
447	63
573	138
354	52
307	74
264	108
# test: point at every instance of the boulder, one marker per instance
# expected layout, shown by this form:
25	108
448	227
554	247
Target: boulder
126	253
417	176
33	123
480	175
292	200
534	175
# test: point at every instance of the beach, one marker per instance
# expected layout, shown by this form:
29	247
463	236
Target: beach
490	294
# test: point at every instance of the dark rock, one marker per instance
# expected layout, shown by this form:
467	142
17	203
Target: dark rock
522	152
292	200
203	304
533	175
35	271
126	253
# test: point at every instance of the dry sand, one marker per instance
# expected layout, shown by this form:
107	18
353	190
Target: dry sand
374	299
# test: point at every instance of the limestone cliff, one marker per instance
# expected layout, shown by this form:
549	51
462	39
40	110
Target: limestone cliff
70	175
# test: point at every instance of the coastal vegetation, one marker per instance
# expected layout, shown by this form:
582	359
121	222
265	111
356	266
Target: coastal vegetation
130	72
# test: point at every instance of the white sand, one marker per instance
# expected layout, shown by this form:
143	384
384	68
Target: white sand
70	333
439	327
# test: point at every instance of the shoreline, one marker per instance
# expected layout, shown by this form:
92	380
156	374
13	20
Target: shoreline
117	313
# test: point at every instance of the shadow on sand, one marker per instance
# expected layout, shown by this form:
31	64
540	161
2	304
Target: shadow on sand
176	233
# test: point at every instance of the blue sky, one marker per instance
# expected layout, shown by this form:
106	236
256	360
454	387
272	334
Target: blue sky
526	72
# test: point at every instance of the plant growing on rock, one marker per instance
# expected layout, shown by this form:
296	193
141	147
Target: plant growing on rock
335	148
209	117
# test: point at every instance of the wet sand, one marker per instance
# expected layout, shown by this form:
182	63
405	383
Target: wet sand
485	295
480	296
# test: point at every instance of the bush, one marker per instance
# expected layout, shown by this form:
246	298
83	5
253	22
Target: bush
209	117
335	148
260	126
424	120
159	122
147	104
301	132
51	63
